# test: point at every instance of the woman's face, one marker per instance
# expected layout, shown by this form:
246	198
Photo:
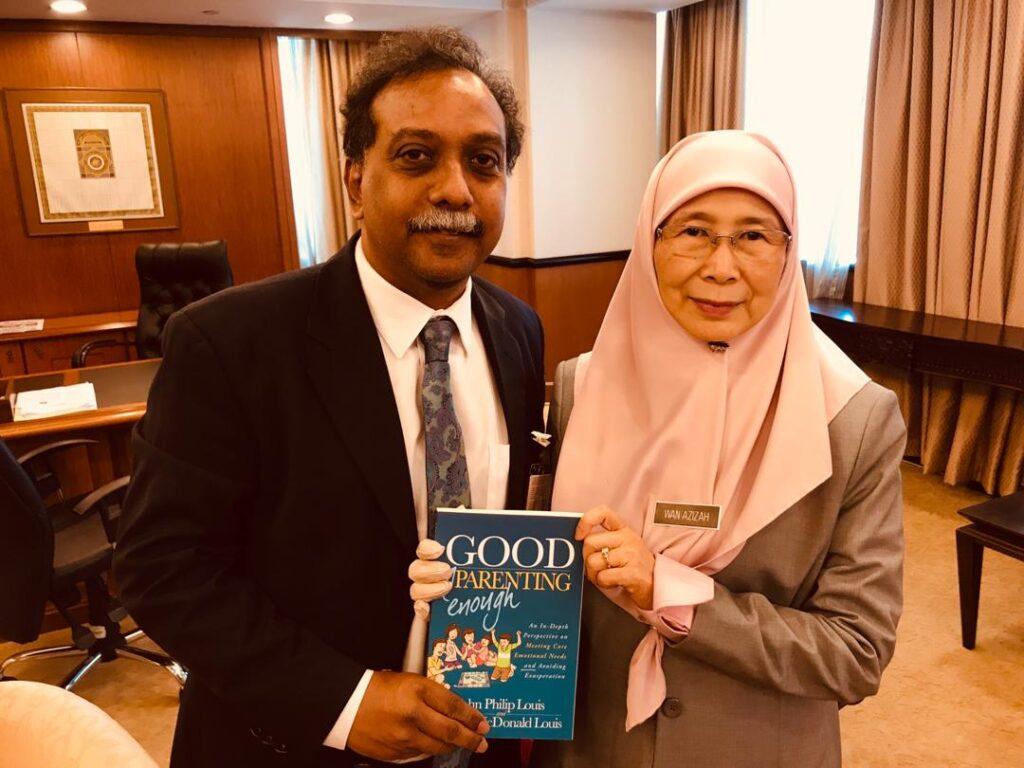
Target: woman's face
716	295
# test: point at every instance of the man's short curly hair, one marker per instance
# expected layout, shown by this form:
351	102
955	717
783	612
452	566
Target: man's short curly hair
406	54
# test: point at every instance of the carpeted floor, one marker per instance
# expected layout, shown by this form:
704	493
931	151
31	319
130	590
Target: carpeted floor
940	705
140	696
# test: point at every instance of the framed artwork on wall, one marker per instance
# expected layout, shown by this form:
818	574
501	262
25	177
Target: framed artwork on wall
92	160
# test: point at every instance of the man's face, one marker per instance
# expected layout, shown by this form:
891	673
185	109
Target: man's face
439	148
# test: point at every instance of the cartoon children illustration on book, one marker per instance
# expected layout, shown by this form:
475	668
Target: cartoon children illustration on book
452	652
435	664
487	653
503	666
476	652
494	651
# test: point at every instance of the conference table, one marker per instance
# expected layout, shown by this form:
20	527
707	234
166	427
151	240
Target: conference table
121	393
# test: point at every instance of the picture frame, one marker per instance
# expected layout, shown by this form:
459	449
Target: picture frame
91	160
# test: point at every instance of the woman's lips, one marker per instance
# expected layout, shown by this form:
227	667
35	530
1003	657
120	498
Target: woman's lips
715	308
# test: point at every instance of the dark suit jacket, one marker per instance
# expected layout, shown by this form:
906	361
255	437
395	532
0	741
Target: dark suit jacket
270	521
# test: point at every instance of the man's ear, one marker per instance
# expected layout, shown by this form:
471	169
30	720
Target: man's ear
354	186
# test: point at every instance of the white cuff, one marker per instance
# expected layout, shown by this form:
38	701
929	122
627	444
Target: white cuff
338	737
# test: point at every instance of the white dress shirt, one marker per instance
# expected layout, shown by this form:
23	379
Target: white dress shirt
399	318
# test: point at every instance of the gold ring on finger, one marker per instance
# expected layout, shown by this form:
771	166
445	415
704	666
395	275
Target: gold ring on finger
605	551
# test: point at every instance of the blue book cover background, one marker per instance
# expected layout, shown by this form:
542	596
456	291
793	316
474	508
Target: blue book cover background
506	637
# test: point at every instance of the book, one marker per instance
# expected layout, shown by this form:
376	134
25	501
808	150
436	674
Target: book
506	637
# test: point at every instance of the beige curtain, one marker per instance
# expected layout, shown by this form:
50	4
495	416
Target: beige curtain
702	82
942	216
315	76
339	60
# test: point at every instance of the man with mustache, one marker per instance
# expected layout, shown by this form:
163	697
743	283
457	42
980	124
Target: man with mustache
302	431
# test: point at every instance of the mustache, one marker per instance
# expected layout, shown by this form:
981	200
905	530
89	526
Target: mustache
443	220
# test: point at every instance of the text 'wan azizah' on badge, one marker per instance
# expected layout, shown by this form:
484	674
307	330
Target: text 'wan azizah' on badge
707	516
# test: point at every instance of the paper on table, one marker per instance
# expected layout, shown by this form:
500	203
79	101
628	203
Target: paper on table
39	403
20	326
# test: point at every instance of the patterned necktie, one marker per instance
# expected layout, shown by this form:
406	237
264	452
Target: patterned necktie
447	476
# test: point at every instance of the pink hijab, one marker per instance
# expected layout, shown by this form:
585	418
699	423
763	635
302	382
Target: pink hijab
660	417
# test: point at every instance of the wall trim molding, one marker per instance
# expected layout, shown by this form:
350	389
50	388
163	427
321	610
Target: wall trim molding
557	261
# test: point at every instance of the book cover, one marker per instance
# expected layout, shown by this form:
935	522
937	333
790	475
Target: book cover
506	637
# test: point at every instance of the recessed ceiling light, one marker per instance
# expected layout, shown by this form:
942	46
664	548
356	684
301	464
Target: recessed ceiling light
338	18
67	6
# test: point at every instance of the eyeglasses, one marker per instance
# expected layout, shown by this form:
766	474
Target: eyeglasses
698	243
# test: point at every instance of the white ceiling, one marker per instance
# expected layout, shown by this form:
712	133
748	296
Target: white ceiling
306	14
615	5
298	14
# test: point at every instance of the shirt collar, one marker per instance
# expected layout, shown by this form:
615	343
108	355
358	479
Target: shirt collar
399	317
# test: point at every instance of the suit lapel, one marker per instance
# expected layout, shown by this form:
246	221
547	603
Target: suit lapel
350	376
506	362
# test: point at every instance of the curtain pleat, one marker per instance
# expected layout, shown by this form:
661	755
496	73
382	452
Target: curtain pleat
942	215
339	61
703	69
327	68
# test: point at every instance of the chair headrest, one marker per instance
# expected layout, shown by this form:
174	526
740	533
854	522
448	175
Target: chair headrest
172	276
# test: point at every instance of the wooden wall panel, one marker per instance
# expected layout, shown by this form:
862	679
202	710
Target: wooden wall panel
39	276
228	156
517	281
42	355
12	360
571	300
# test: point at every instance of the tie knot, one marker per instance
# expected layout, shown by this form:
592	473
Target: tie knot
437	338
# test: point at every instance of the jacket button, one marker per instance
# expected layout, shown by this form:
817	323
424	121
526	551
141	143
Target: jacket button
672	707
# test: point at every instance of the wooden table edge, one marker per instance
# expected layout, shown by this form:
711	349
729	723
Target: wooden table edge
77	326
68	422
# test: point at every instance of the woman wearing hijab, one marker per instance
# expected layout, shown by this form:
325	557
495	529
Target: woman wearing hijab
742	479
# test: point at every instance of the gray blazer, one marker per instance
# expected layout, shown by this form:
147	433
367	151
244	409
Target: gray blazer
803	621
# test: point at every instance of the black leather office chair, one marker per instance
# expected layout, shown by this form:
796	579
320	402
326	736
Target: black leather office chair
49	547
171	276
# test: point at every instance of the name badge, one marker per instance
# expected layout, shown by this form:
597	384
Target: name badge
708	516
